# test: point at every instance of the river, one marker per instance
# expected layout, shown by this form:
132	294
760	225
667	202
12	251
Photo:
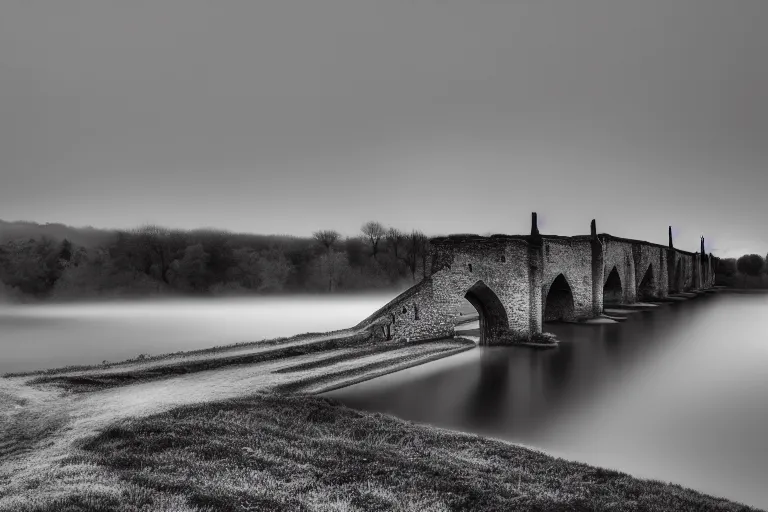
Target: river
677	394
41	336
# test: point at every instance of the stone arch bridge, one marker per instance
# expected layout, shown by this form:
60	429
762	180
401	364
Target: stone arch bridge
516	282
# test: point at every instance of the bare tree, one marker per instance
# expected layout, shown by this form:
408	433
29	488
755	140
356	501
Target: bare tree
329	261
409	248
373	232
395	240
327	238
416	245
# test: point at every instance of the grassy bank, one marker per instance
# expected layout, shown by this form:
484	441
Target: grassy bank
294	453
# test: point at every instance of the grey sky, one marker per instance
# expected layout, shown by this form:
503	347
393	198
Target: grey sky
291	116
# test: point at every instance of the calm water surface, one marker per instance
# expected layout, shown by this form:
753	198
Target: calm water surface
52	335
679	394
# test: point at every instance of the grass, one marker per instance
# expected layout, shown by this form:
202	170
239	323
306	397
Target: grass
299	453
27	428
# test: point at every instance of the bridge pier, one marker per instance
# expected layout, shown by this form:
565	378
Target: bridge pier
663	278
535	278
630	289
598	270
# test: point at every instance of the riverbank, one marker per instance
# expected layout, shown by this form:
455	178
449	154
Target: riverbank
270	452
235	429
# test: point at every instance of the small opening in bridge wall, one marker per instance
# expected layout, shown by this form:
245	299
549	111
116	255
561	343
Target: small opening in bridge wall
415	312
503	259
405	310
470	267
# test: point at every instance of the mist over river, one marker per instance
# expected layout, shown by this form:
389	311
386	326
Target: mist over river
678	394
43	336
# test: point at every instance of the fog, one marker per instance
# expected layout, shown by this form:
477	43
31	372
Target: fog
43	336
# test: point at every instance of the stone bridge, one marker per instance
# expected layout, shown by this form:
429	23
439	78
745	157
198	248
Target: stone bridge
517	282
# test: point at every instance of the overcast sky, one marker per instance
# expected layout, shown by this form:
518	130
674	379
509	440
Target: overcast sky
447	116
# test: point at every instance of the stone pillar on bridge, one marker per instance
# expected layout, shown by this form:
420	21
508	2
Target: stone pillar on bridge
704	274
598	270
662	280
535	273
630	295
671	262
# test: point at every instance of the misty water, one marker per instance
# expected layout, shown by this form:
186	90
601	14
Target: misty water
679	394
41	336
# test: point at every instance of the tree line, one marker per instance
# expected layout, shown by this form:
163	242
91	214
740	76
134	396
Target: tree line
152	260
746	269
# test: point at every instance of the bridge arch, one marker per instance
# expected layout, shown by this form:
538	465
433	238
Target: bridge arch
612	289
646	290
558	301
493	316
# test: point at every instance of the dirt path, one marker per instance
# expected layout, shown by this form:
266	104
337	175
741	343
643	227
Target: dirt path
45	421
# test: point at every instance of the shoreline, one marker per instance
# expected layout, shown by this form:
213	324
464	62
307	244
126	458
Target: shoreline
61	430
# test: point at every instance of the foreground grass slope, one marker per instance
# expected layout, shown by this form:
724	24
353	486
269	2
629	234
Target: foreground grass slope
293	453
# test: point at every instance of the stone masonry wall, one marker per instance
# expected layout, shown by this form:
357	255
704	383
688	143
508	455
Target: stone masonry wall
663	274
687	268
687	271
500	264
619	254
572	258
650	257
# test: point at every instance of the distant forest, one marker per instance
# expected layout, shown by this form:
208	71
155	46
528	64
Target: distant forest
748	271
54	261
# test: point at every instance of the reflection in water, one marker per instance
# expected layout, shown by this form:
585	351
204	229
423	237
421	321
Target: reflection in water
676	394
491	391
